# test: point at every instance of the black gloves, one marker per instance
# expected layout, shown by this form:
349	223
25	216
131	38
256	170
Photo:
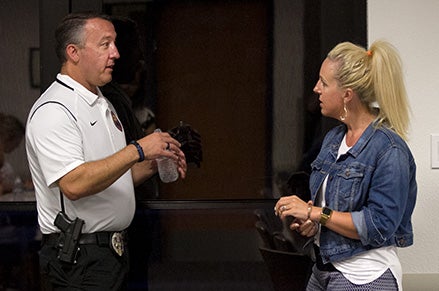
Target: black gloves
190	141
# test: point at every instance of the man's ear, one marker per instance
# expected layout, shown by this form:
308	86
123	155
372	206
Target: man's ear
72	53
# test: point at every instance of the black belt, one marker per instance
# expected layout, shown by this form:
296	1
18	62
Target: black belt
102	238
328	267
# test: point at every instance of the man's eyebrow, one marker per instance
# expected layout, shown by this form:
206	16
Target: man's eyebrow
107	37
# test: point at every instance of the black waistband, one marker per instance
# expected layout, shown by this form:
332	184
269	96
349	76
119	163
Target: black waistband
102	238
319	262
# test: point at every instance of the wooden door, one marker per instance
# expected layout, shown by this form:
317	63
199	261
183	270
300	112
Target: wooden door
213	71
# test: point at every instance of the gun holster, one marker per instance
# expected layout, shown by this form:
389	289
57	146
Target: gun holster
68	242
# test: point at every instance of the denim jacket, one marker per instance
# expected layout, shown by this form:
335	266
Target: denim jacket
374	181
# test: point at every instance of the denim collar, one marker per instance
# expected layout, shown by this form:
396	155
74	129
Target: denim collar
359	145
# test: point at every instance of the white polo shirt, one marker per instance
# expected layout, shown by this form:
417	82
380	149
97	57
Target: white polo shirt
67	126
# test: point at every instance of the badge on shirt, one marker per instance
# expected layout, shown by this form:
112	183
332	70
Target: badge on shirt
116	121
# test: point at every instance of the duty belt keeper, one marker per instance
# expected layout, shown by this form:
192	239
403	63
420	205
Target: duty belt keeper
102	239
112	240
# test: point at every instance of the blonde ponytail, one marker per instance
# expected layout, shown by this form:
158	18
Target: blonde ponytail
376	76
389	87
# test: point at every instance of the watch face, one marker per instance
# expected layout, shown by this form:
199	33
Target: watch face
326	211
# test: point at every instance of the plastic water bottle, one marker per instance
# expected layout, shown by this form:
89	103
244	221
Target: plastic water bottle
167	168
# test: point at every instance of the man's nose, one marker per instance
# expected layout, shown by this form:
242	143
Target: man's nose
115	52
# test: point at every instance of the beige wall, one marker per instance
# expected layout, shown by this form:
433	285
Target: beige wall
413	27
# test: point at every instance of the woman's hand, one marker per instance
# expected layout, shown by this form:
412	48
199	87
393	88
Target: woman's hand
301	211
292	206
306	228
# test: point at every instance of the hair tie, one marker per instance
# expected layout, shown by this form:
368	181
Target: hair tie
369	53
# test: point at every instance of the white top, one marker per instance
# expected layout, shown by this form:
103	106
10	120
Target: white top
370	265
67	126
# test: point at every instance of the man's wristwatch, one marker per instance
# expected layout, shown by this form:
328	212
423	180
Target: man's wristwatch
325	215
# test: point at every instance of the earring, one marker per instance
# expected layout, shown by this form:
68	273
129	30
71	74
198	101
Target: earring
345	113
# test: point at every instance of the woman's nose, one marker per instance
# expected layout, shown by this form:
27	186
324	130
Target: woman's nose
316	88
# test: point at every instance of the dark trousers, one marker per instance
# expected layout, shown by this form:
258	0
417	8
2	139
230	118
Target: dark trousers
97	268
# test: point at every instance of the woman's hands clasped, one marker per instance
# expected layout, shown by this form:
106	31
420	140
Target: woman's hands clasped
301	211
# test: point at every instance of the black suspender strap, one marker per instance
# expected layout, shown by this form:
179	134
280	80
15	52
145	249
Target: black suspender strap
61	196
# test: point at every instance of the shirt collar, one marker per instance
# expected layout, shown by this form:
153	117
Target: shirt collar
85	94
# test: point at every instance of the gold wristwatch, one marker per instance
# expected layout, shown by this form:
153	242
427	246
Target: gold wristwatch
325	215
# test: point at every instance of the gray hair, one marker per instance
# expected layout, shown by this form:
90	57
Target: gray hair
71	30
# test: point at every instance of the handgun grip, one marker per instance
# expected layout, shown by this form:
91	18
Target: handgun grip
62	221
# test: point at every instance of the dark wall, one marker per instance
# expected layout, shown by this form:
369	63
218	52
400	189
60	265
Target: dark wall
327	23
51	13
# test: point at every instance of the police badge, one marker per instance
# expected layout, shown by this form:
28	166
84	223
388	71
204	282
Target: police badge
117	243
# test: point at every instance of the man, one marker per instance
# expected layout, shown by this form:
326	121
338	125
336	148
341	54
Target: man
83	171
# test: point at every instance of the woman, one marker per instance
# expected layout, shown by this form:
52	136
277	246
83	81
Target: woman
363	186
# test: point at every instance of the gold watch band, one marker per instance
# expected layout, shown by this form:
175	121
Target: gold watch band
325	215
